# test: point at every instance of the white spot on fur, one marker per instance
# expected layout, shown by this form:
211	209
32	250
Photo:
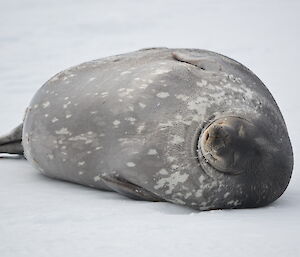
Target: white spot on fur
163	172
46	104
81	163
198	104
54	78
163	94
68	116
54	120
97	178
142	105
125	92
87	137
65	106
234	203
182	97
125	72
177	139
140	129
160	71
92	79
226	194
116	123
130	164
199	193
63	131
201	179
178	117
171	158
104	94
143	86
131	120
172	181
201	83
152	152
238	80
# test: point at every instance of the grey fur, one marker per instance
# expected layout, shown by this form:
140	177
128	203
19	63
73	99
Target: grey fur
133	123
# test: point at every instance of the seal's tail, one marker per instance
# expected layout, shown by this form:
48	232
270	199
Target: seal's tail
12	142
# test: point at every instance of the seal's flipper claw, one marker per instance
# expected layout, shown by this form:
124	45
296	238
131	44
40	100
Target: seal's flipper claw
206	63
12	143
126	188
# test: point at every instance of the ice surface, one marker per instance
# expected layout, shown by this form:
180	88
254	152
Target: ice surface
43	217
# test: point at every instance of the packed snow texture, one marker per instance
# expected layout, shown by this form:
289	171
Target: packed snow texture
44	217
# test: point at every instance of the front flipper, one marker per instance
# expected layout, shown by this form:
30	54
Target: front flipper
206	63
126	188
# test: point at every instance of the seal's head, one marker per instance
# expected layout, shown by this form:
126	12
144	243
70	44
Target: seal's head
249	155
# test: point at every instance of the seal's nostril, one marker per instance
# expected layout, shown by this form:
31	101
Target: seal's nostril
207	136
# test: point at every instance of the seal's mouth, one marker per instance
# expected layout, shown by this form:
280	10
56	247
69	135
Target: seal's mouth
224	144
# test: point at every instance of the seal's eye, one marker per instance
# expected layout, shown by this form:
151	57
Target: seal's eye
227	145
242	132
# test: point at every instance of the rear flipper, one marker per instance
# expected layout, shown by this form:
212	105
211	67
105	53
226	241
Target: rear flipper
126	188
12	143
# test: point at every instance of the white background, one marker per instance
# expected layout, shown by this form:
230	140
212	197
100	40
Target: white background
43	217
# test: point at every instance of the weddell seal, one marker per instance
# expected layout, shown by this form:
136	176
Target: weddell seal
187	126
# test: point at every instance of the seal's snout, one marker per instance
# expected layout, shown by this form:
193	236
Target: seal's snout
226	144
217	138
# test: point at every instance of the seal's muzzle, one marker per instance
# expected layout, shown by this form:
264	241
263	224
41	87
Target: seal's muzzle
228	144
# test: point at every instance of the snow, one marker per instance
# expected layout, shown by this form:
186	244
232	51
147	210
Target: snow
44	217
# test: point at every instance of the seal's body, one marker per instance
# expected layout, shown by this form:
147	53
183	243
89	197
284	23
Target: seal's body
182	125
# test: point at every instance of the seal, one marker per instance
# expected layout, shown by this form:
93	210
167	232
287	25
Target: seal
187	126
